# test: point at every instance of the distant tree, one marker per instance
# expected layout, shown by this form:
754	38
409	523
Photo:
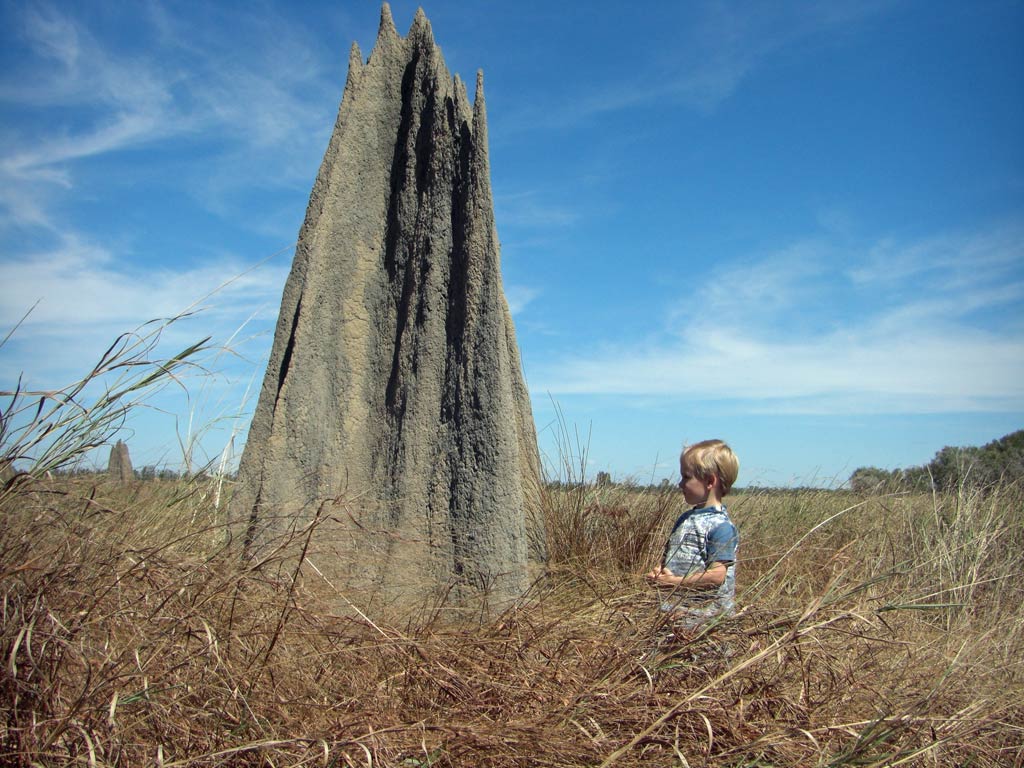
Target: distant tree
1001	460
952	467
869	479
914	479
603	479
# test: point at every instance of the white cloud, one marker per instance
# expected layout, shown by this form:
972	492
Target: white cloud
947	263
518	296
259	118
84	298
118	103
870	348
852	371
35	164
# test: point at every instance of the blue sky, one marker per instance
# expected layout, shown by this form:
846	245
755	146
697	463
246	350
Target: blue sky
797	226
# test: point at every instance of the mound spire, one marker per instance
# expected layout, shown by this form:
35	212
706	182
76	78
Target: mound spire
387	24
394	403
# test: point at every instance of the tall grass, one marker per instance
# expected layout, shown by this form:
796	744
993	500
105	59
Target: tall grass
872	630
45	430
133	634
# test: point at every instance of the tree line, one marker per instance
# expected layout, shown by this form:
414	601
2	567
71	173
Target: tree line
999	461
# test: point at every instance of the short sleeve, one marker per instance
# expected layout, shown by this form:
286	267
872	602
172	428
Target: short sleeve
721	544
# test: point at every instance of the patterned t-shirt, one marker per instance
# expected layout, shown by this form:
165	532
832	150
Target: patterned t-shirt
700	537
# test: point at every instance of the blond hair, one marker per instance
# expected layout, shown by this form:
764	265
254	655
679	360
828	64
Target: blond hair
712	458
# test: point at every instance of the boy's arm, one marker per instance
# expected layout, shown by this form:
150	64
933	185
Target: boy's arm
721	547
710	578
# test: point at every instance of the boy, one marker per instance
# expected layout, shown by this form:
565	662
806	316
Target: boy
697	574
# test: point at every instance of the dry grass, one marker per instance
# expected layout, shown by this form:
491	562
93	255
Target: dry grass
889	635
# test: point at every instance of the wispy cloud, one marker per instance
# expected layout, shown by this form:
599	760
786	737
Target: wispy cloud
732	39
519	296
261	118
530	209
764	341
65	64
127	100
948	262
254	116
712	58
81	297
852	371
61	69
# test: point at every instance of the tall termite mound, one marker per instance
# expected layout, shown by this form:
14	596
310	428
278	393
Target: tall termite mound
394	409
119	466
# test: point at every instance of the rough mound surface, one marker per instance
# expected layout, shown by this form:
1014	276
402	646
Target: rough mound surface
394	402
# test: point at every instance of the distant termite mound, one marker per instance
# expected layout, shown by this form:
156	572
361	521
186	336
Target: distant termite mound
394	408
119	467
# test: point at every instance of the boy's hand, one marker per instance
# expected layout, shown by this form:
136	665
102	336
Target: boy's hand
661	577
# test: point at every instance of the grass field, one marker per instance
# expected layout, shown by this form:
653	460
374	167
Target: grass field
871	631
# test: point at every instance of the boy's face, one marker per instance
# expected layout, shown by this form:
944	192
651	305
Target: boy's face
695	488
